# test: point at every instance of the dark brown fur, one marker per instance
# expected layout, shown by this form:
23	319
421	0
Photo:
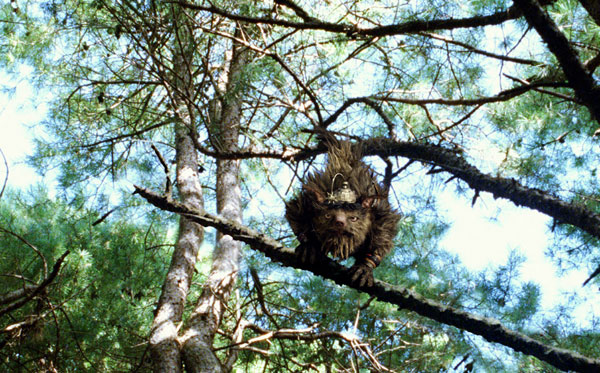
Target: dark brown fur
364	230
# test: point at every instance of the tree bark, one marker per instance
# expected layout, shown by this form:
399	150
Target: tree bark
164	346
202	326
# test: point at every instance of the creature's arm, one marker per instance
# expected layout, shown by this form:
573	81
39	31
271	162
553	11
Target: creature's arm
385	228
298	213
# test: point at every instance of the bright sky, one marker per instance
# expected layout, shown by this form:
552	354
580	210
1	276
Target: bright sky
483	236
18	111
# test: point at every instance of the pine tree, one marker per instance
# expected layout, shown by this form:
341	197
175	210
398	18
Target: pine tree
214	113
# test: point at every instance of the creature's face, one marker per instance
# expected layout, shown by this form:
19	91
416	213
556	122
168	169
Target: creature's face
342	228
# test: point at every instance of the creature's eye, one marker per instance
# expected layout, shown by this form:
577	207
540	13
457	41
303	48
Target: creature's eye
353	218
327	216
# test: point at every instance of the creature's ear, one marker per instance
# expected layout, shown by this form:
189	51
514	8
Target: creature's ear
317	195
369	201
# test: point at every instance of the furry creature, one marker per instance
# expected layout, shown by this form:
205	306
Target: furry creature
343	211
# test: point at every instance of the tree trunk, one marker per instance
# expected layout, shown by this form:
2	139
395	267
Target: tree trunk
202	327
164	346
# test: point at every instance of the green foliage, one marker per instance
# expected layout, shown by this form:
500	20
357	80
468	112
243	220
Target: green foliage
101	301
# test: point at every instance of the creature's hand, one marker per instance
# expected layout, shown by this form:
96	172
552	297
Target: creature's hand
362	274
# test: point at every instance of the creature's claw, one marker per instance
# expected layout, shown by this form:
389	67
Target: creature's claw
362	274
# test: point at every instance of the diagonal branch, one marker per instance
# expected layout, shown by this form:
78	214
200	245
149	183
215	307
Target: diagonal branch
16	294
583	83
30	295
470	48
451	162
490	329
500	187
131	134
32	247
593	9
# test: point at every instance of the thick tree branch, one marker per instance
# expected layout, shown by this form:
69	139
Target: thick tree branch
410	27
490	329
500	187
579	78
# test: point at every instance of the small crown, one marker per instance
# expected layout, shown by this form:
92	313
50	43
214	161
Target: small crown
342	195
